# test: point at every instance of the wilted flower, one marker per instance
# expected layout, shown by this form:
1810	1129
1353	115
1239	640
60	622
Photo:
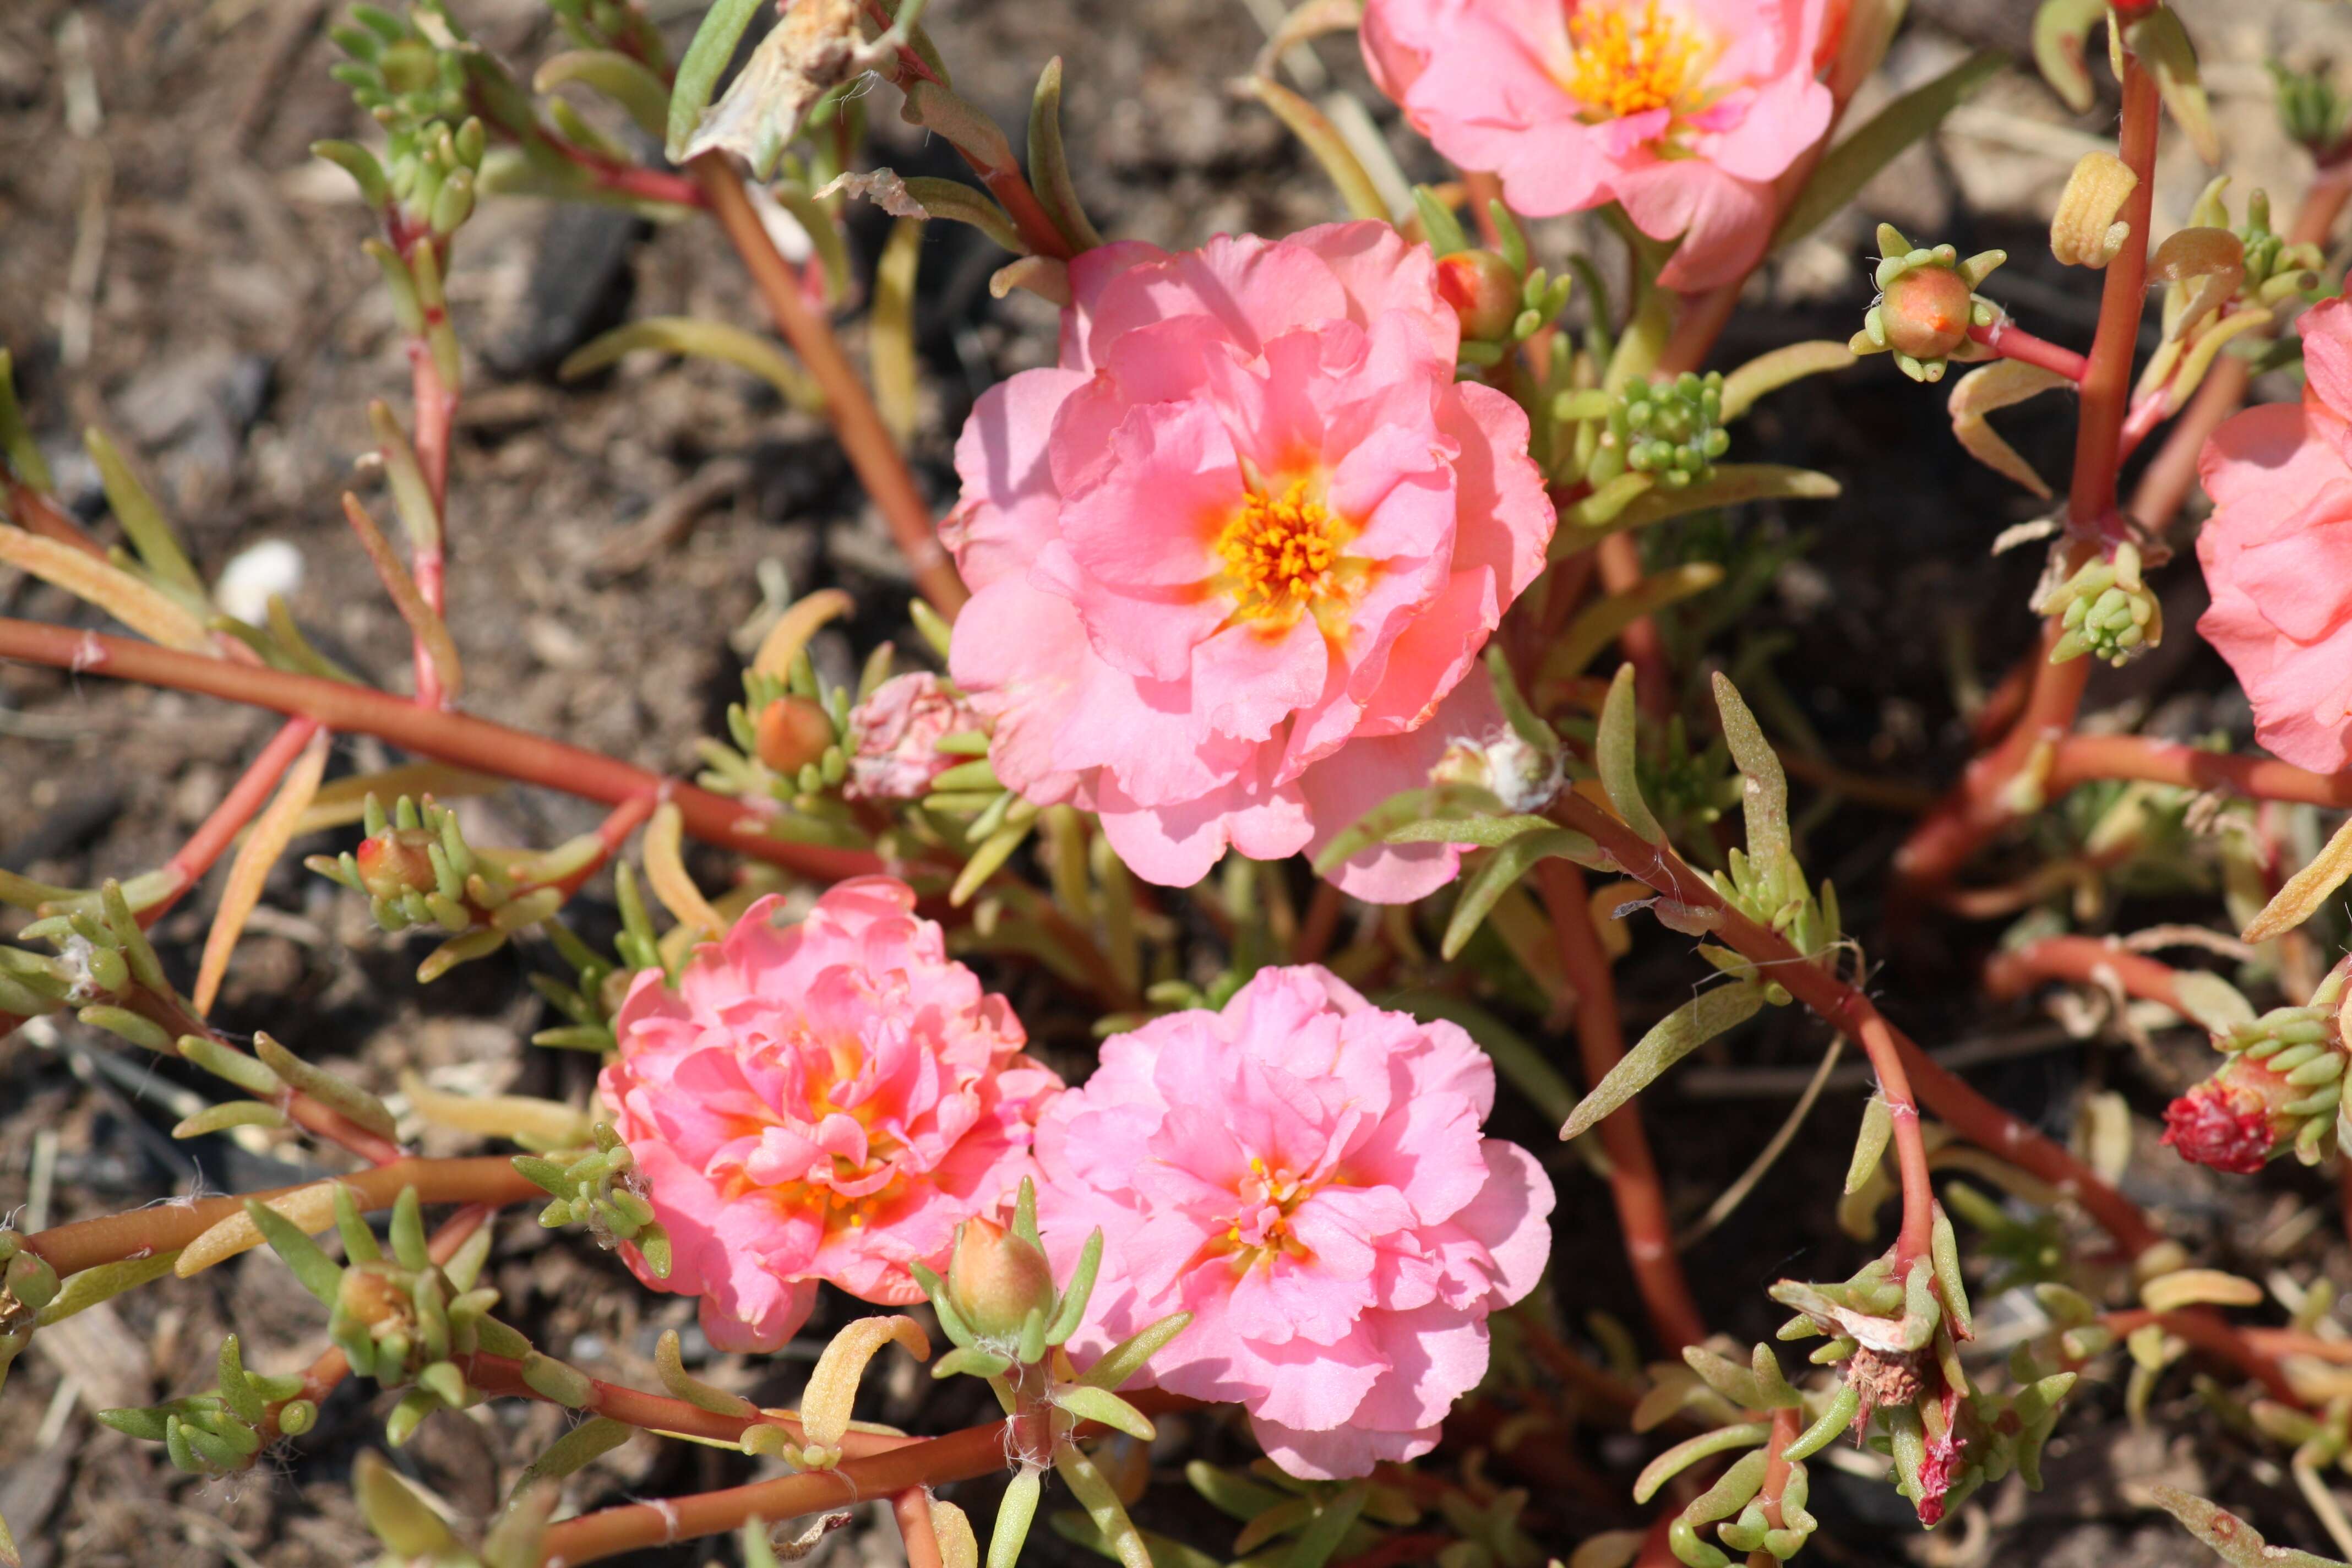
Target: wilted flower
895	734
1684	111
1304	1173
2281	1088
2277	553
828	1101
1231	556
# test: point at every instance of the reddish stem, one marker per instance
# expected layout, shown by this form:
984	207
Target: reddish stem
628	179
1620	559
1967	1112
2080	758
2009	341
1777	1470
1633	1173
165	1227
912	1509
2147	413
2081	961
448	737
2216	1335
193	859
1910	1149
2106	379
855	421
1409	1548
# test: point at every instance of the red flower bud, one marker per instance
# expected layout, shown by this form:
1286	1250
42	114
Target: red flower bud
793	733
997	1279
1483	290
1927	313
2228	1127
397	862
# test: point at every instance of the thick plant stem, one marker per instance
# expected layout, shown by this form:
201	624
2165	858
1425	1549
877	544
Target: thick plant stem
1777	1468
1967	1112
189	863
1995	790
448	737
1633	1174
912	1509
864	437
888	1467
2106	379
2081	961
2080	758
1910	1149
2215	1334
167	1227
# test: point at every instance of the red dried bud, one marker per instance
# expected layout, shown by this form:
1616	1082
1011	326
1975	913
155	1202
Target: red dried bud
2226	1126
793	733
1927	313
397	860
1483	290
997	1279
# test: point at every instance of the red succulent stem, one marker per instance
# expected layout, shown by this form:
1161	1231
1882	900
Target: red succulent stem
2009	341
1984	801
1633	1171
912	1509
2080	759
855	421
625	178
168	1227
2106	380
1786	1424
450	737
2082	960
1965	1111
189	863
2217	1336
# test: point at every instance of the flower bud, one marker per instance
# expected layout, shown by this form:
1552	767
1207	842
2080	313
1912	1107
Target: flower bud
996	1278
2278	1090
792	734
1927	313
895	735
375	1296
397	860
1484	291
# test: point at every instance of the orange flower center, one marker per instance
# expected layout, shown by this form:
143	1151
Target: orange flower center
1629	60
1261	1227
1280	553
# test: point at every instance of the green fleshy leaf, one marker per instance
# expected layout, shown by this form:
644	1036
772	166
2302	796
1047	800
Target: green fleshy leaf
1502	870
704	63
1672	1038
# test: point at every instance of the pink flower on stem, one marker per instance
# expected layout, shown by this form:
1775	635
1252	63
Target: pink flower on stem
819	1101
895	734
1234	557
1302	1171
1684	111
2277	553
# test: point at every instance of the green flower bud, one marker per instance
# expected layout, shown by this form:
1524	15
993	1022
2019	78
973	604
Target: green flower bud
996	1280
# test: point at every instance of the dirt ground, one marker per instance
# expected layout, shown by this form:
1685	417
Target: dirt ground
175	268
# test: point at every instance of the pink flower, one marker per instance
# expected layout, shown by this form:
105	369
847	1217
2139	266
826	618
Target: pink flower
1232	556
894	737
820	1101
1303	1172
1684	111
2277	553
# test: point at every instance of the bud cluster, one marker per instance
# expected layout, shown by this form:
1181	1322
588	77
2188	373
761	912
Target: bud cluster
2106	609
412	74
1670	429
2281	1088
604	1190
2311	110
219	1431
416	869
102	956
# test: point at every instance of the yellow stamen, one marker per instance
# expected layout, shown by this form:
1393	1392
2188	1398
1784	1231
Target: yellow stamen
1278	553
1630	60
